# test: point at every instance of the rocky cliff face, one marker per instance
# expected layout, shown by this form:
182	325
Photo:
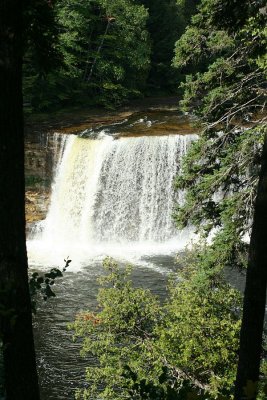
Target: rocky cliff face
41	153
39	157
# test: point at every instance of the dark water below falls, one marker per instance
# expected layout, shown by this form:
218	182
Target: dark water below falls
112	195
61	367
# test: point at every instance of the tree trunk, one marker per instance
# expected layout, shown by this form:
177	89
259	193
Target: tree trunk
21	382
255	292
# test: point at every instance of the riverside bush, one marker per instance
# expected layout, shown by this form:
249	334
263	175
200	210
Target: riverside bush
147	350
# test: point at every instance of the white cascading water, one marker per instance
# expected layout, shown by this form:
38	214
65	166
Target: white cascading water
115	196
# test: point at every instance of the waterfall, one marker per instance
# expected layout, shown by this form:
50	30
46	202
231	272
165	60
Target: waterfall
115	192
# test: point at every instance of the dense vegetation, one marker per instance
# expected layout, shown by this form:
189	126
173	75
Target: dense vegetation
226	92
104	52
226	89
147	350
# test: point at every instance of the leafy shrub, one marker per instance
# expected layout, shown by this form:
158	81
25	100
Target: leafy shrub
147	350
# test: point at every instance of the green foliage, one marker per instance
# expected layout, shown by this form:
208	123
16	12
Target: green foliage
224	61
226	90
40	284
165	25
145	350
200	334
40	36
102	52
105	55
41	47
123	68
116	336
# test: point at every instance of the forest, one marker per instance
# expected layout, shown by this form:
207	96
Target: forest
162	211
102	53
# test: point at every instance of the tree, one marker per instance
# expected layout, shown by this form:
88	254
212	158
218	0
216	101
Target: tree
187	8
224	48
15	307
255	293
166	22
145	350
112	51
165	25
105	55
41	50
123	62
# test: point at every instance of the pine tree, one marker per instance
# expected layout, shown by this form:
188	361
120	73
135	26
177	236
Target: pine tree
224	48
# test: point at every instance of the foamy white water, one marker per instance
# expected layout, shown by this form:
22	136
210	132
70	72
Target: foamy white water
113	197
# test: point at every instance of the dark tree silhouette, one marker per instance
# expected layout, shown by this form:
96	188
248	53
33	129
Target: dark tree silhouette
21	380
255	292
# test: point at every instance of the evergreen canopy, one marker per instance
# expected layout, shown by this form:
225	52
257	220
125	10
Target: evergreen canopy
225	49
